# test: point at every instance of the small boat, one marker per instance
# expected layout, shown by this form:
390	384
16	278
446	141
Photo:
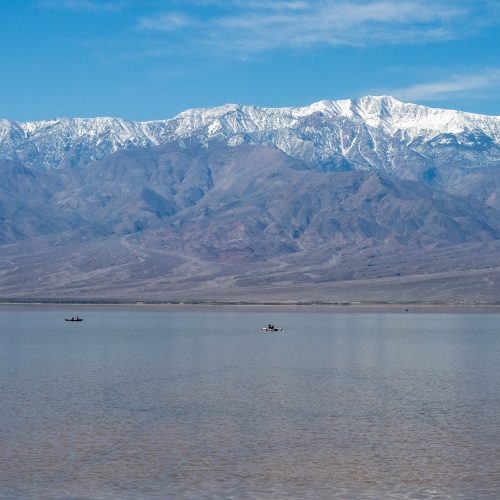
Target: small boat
271	328
73	319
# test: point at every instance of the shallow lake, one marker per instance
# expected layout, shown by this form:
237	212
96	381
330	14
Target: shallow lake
200	403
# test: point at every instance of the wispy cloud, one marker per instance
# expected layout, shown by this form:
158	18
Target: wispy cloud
171	21
256	26
456	86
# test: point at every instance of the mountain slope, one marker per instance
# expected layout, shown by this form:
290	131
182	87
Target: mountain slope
368	199
190	217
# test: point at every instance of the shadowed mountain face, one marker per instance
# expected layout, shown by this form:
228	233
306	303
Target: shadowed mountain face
340	208
185	218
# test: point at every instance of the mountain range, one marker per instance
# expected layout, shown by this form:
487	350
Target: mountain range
366	200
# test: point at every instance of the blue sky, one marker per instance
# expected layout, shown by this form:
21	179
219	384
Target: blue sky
152	59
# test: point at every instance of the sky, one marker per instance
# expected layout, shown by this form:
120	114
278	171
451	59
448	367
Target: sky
152	59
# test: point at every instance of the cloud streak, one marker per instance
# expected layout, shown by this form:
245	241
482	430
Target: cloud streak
457	86
173	21
256	26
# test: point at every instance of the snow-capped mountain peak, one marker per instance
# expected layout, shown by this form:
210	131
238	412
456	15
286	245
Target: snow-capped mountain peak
364	132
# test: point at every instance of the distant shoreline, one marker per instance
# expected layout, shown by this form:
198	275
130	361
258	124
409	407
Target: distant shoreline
247	305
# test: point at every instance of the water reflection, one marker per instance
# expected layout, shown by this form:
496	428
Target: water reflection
203	405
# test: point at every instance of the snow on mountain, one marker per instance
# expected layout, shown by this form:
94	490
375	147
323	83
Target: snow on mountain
379	112
370	132
393	116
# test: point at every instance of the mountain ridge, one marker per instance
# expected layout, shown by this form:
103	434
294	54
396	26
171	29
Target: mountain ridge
343	107
47	143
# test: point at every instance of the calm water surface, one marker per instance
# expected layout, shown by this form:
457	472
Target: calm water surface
202	404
